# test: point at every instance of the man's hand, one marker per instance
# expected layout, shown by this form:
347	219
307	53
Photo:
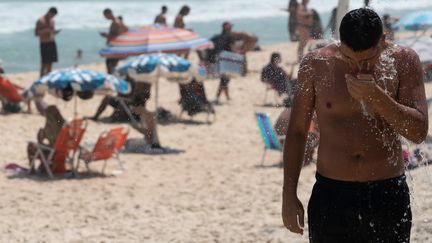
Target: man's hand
104	34
363	87
292	213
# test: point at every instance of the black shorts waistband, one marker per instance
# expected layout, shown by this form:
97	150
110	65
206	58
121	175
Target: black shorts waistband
398	180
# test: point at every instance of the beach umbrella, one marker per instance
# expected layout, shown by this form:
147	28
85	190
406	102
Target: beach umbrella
419	20
152	39
149	68
79	81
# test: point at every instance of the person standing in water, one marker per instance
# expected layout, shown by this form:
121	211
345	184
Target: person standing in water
366	92
117	27
46	32
179	22
161	18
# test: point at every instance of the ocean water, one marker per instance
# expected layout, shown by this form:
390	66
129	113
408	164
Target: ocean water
81	21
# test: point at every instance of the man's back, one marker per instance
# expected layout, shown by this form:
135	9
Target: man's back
356	144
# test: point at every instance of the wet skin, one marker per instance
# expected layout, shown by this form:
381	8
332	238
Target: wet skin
356	144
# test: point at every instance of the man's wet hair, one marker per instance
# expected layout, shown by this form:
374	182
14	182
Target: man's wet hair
164	8
107	11
361	29
53	10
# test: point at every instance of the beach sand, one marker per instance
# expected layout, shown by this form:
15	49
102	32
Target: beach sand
213	192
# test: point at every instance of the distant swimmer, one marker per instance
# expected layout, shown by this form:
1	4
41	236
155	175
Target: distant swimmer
367	93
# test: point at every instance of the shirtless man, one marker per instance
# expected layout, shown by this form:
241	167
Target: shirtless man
161	18
178	22
367	92
45	31
304	24
117	27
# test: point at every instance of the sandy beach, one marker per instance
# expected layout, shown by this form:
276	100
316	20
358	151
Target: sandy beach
213	192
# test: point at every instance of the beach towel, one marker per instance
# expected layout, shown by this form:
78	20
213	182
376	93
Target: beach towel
140	146
14	168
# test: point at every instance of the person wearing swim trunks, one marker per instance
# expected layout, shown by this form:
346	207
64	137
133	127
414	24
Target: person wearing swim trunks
46	32
367	93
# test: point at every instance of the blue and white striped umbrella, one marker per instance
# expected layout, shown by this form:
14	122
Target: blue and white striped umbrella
80	80
418	20
149	68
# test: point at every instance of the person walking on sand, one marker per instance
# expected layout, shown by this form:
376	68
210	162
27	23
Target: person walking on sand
116	28
46	32
304	25
367	93
161	18
223	42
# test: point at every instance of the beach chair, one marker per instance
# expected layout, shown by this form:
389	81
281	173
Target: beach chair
269	88
268	135
108	146
63	151
193	100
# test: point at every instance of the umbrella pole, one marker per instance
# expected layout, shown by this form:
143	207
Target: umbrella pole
76	107
157	88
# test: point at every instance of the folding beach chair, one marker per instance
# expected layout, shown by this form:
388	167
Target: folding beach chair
193	100
63	151
267	133
108	146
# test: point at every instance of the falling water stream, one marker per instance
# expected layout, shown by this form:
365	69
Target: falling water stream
420	155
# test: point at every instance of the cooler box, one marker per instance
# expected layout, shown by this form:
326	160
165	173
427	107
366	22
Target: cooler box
231	63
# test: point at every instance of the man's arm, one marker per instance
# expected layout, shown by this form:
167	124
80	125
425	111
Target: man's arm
295	141
38	26
407	114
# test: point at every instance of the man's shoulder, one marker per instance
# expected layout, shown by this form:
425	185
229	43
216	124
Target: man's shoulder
320	54
403	52
40	20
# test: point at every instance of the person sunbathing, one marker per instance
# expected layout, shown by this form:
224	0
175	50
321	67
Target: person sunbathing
147	123
48	134
120	114
12	94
